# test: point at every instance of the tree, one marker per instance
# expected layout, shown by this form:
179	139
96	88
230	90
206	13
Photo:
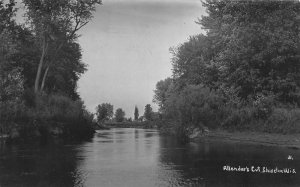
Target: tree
11	79
256	46
192	62
161	92
195	104
136	113
251	48
55	23
148	112
104	112
66	71
120	115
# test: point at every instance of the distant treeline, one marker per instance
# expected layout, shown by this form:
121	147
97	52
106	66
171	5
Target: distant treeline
243	74
105	114
40	64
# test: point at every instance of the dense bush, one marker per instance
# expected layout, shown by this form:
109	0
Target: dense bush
48	112
57	108
239	118
199	106
196	105
283	120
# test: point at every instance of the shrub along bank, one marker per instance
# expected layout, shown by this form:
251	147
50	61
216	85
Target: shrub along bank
48	116
199	107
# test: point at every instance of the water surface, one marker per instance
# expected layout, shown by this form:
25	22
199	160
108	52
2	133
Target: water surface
141	157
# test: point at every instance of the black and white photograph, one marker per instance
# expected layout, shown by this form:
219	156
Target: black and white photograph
149	93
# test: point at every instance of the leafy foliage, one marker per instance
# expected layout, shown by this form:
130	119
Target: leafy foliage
136	113
148	112
104	111
44	53
196	105
257	46
240	71
55	24
11	80
120	115
161	92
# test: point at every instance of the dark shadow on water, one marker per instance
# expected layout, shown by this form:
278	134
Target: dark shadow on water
136	133
202	163
39	165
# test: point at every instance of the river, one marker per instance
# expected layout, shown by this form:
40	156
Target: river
127	157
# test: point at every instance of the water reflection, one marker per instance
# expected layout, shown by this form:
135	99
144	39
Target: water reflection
202	164
129	161
36	165
141	157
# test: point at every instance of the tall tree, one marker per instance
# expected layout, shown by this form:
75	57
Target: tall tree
120	115
250	54
104	111
193	62
66	71
11	80
257	46
148	112
55	23
161	92
136	113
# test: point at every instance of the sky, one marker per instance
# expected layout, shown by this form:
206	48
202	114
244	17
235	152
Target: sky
126	47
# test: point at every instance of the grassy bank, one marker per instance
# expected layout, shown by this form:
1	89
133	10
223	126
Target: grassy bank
258	138
45	116
255	135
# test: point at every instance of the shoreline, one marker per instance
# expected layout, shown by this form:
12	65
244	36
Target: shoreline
291	141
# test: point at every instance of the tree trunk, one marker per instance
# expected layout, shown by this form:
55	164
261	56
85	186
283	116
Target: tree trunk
47	69
44	79
39	71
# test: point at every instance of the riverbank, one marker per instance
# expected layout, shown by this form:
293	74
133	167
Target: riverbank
258	138
45	117
200	135
134	124
42	131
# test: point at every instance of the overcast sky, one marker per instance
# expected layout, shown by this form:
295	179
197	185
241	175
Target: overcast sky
126	47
